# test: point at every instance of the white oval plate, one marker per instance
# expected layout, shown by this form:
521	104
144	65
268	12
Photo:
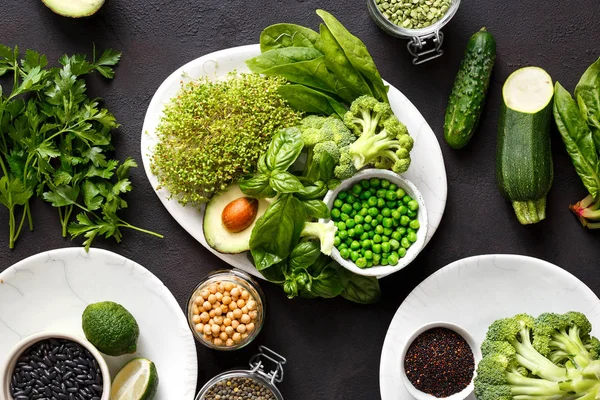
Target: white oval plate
426	171
474	292
49	291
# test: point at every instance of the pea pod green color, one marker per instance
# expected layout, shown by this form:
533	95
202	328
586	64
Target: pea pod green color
470	88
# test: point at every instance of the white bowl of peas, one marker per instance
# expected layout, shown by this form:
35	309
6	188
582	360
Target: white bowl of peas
381	220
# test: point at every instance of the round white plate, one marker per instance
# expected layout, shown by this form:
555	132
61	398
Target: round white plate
426	171
49	291
474	292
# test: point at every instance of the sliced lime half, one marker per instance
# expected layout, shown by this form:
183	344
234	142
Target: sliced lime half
137	380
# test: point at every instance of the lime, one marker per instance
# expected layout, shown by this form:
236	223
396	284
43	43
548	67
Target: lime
137	380
111	328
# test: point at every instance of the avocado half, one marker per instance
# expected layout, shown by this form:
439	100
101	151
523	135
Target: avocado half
215	233
74	8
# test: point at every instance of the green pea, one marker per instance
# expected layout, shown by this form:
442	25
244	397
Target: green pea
412	237
374	182
357	206
356	189
348	241
394	243
352	214
406	199
391	195
350	200
369	263
385	238
403	210
364	184
385	183
350	223
344	216
413	205
376	259
405	243
386	212
371	234
402	252
372	201
338	203
342	246
351	231
384	261
377	238
364	236
345	254
359	229
363	211
361	262
404	220
354	255
385	255
354	245
396	235
401	230
358	219
373	211
342	234
367	227
346	208
380	203
376	248
411	213
335	214
393	187
366	194
342	195
385	247
414	224
366	244
388	231
337	241
379	229
393	259
368	219
341	226
381	193
391	204
400	193
396	214
387	222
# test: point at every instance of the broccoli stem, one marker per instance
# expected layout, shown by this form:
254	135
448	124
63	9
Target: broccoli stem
539	365
521	385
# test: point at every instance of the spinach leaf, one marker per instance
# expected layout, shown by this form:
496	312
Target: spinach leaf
587	94
305	254
310	100
362	289
284	182
357	53
283	150
577	138
276	273
316	209
339	64
281	57
330	282
287	35
277	231
257	185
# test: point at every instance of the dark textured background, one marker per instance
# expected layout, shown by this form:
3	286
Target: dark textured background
332	347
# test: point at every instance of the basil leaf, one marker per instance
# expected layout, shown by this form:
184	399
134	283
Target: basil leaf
587	93
330	282
280	57
256	185
284	148
362	289
316	209
287	35
305	254
577	138
277	231
338	63
326	167
284	182
357	53
317	191
310	100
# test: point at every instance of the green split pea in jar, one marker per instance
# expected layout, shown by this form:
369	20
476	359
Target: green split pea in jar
413	14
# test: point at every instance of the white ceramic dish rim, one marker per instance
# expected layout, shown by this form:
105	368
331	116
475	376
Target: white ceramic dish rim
419	395
397	334
188	381
435	183
413	251
29	341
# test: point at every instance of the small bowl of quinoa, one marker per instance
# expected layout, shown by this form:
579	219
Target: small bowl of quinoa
53	365
438	362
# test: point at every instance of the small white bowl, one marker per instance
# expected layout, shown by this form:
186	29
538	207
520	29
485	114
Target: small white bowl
412	191
24	344
416	393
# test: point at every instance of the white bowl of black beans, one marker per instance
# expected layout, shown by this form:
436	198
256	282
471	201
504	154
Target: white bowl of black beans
438	361
382	222
55	366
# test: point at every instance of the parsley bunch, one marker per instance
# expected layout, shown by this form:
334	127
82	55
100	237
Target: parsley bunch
54	141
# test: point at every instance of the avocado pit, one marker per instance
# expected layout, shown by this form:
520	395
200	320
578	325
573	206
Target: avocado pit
239	214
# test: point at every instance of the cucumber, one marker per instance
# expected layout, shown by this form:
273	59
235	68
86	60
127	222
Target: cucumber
470	87
524	170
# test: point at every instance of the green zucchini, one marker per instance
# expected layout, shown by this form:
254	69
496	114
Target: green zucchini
524	170
470	87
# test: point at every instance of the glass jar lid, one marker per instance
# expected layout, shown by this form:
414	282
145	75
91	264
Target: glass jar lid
266	369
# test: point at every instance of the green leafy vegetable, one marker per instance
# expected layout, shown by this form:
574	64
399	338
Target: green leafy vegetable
587	93
287	35
362	289
310	100
55	142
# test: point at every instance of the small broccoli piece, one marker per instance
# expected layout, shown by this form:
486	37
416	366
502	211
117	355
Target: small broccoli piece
544	358
325	232
326	147
382	139
345	168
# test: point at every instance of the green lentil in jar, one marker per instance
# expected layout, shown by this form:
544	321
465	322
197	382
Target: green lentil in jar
413	14
239	389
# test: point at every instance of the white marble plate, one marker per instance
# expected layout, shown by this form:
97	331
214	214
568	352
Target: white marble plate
427	170
474	292
50	290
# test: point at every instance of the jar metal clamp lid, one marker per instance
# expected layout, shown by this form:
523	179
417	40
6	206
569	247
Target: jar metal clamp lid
424	44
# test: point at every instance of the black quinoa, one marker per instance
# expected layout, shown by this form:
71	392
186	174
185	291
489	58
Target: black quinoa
439	362
238	389
56	369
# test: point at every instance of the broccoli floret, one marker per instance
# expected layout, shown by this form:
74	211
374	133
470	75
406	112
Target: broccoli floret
382	139
345	168
326	147
324	231
544	358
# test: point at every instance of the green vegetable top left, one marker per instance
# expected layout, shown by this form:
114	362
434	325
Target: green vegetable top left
55	143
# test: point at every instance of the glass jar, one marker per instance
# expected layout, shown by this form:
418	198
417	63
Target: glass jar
266	369
424	44
233	314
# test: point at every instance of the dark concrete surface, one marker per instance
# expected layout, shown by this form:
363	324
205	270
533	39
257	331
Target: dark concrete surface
333	347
